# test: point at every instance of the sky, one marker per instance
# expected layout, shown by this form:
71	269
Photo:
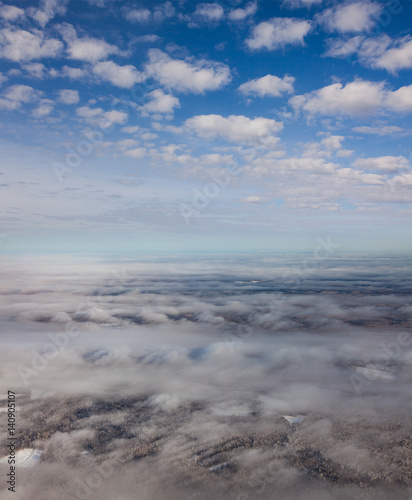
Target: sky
188	126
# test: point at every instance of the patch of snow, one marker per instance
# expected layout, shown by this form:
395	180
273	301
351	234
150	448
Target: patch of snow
217	468
294	420
27	457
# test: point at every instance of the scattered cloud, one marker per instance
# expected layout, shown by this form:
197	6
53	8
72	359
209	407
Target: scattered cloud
361	97
144	16
120	76
268	85
159	102
68	96
47	10
36	70
74	73
350	17
21	45
87	48
297	4
210	12
44	108
11	12
103	119
379	52
15	96
385	164
278	32
379	130
396	58
236	128
187	76
242	14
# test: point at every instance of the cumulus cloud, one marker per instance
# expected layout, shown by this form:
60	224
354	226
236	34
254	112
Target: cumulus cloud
104	119
210	12
47	10
324	148
268	85
396	58
296	4
120	76
360	97
11	12
159	102
68	96
15	96
236	128
278	32
386	164
36	70
379	130
21	45
87	48
74	73
138	15
241	14
378	52
187	76
352	17
143	15
44	108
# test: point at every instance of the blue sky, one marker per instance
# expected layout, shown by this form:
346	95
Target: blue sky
187	126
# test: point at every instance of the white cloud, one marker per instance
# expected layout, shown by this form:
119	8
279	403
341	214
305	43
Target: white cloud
21	46
352	17
147	38
187	76
338	47
47	10
11	12
131	129
45	107
296	4
103	119
344	153
278	32
211	12
143	15
377	52
385	164
35	70
251	200
268	85
360	97
136	153
400	100
324	148
241	14
396	58
236	128
68	96
263	167
160	103
120	76
379	130
74	73
138	15
17	95
86	48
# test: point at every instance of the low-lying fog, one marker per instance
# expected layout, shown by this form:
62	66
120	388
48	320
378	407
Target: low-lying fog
208	377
